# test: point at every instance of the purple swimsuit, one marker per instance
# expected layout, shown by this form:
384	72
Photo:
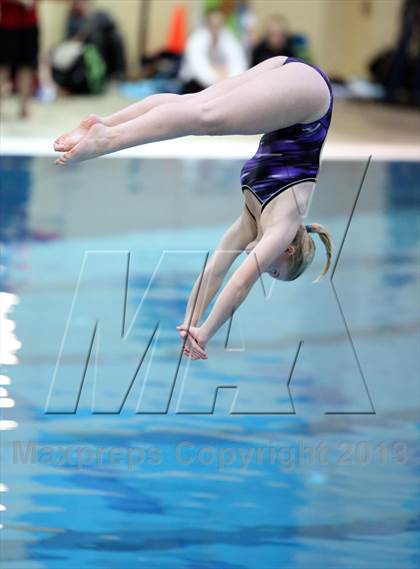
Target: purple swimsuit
286	156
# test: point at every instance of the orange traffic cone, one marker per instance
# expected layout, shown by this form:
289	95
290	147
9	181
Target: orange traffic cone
177	30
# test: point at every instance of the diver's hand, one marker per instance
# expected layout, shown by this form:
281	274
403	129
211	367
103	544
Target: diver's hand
195	344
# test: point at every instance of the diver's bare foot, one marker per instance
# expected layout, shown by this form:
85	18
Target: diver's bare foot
96	142
70	139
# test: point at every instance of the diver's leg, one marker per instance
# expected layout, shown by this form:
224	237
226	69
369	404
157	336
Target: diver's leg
66	141
288	95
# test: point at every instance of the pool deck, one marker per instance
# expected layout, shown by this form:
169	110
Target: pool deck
359	129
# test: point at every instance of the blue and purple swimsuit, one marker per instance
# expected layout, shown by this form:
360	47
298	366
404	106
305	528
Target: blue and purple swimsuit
287	156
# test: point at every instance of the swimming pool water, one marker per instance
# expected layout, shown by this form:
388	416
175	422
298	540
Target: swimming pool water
308	455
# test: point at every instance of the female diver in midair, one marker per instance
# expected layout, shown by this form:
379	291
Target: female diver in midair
284	97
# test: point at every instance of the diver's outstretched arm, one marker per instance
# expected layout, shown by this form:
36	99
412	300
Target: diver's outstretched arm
274	242
233	242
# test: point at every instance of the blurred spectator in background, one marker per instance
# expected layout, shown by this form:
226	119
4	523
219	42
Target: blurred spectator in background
243	21
212	53
92	52
165	63
402	83
276	41
19	47
397	68
99	29
77	17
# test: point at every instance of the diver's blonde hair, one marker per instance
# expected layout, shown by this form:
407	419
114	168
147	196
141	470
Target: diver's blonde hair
304	250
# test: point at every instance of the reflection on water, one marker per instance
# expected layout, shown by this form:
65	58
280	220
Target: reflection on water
9	345
299	489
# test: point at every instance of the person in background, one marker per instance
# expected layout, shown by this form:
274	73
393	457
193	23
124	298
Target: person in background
78	15
276	41
98	28
19	47
402	83
212	53
246	26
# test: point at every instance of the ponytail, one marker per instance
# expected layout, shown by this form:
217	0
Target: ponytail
325	237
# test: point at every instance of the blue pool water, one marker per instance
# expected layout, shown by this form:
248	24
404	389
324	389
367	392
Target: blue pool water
307	457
